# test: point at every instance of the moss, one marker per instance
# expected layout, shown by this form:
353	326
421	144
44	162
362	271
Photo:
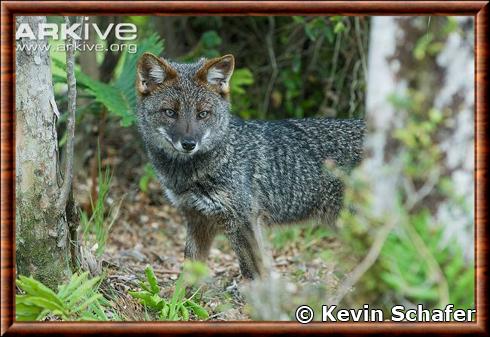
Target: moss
37	251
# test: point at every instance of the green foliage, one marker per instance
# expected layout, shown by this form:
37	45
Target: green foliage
432	42
415	265
76	300
418	136
95	230
178	307
208	46
148	175
111	97
302	236
241	78
318	27
418	282
210	41
119	97
303	85
339	27
127	77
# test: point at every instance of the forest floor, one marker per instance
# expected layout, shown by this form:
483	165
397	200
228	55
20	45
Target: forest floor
149	231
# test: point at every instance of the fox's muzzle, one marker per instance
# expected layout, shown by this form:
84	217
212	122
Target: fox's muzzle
188	144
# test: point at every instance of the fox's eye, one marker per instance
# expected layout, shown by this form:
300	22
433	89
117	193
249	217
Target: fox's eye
203	114
170	113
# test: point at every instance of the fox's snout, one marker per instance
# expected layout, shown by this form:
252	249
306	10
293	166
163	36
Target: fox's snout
188	144
186	137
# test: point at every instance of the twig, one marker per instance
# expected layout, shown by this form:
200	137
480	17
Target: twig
361	48
333	69
381	237
70	128
272	57
435	268
368	261
414	197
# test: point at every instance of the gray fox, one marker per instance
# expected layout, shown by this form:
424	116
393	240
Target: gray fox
234	176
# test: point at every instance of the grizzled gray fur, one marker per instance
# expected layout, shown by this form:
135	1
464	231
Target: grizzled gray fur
234	176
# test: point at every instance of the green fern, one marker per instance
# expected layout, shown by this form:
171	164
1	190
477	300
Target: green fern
76	300
177	308
119	97
127	78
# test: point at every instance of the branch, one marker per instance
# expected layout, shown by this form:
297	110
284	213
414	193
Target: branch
381	237
368	261
70	128
272	58
360	46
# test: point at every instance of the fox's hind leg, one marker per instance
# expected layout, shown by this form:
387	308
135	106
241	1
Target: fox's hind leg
245	241
331	200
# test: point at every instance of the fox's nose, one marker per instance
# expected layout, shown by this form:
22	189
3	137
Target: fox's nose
188	144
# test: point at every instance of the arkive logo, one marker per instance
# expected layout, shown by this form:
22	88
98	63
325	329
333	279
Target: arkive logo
122	31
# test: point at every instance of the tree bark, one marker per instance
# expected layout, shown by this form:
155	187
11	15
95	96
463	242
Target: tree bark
42	233
444	75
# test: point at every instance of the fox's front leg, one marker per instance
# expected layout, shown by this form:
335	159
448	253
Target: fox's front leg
200	236
245	241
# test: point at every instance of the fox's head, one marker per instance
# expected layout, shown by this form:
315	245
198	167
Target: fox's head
183	108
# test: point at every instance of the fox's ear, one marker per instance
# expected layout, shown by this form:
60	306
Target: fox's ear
217	73
152	71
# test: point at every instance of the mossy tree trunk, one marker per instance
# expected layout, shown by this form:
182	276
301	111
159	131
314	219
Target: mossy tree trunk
42	231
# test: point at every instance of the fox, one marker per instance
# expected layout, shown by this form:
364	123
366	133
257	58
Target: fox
233	176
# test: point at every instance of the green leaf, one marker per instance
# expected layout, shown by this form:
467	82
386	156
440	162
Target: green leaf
126	79
148	175
172	312
197	309
165	311
339	27
44	303
143	295
148	299
422	293
119	97
327	31
26	312
79	292
241	77
145	286
179	291
75	281
87	302
299	19
184	312
152	280
211	39
99	312
36	288
85	290
310	32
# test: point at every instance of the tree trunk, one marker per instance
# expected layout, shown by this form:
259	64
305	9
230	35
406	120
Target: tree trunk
42	235
431	60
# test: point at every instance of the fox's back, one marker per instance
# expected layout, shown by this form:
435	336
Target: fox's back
285	161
